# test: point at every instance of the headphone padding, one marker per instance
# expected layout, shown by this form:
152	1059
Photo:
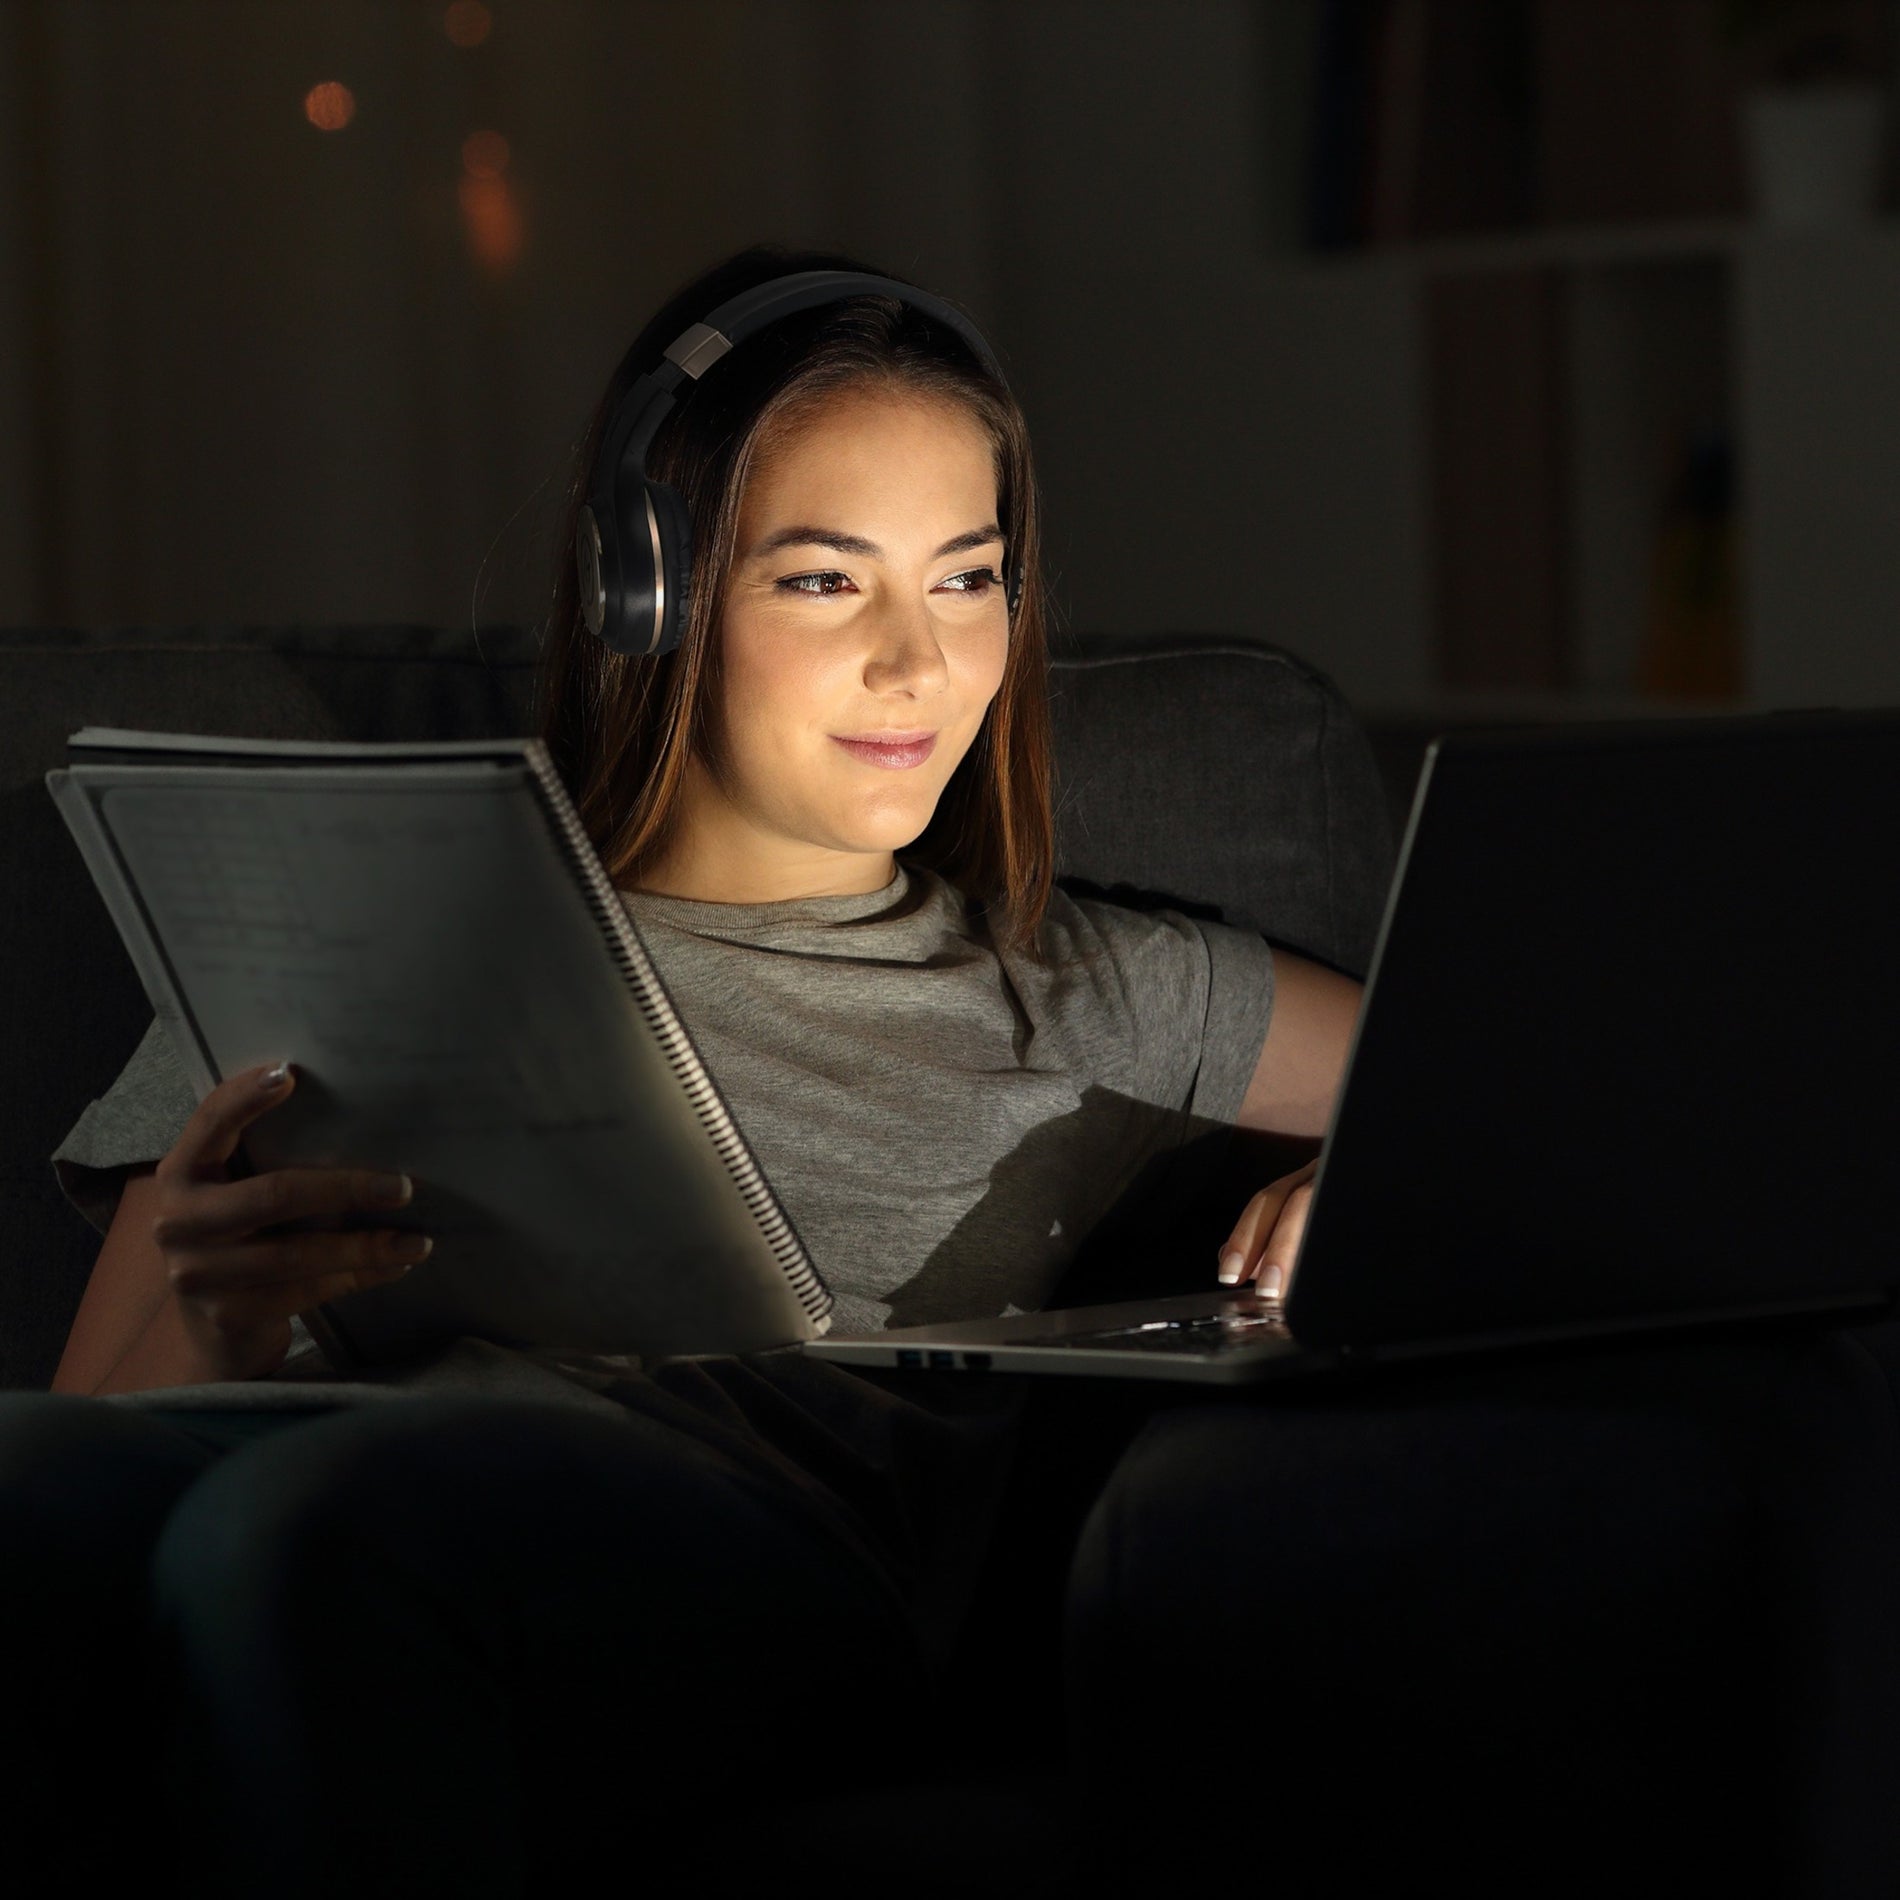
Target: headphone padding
626	568
676	561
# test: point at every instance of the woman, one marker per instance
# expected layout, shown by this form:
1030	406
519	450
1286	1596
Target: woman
381	1625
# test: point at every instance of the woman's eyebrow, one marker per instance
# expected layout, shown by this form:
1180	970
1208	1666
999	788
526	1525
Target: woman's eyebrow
806	536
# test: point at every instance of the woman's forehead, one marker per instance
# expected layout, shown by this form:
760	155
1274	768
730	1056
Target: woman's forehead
868	434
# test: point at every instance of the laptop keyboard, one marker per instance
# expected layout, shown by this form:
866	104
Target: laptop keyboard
1210	1332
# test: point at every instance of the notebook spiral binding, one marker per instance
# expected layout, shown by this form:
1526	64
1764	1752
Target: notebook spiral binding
655	1005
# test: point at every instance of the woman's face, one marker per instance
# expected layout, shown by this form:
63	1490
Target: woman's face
862	636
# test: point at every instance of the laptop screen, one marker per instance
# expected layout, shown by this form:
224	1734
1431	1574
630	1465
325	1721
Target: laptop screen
1630	1042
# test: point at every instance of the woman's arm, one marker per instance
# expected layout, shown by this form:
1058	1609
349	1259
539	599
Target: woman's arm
201	1275
124	1337
1292	1091
129	1334
1304	1056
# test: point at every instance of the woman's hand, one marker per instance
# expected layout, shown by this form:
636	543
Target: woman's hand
238	1267
1266	1239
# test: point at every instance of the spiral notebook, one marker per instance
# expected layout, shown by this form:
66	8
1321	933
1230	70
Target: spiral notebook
426	931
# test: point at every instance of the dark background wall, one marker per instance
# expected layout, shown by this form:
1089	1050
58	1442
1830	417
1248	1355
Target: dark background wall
1391	329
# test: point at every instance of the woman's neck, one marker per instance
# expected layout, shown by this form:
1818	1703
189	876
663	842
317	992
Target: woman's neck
730	882
731	863
718	853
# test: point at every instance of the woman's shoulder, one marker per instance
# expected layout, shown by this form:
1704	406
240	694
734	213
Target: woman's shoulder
1159	994
1083	920
1087	940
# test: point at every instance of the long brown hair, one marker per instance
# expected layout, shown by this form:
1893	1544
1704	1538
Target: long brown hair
620	730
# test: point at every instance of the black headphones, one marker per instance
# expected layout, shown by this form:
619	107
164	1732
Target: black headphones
633	542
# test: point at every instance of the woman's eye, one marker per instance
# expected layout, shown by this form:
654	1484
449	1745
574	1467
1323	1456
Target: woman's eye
825	585
980	579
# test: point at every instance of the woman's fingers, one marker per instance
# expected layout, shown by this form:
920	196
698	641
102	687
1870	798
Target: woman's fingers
210	1212
245	1257
1241	1250
1273	1274
200	1204
292	1258
217	1124
241	1310
1266	1238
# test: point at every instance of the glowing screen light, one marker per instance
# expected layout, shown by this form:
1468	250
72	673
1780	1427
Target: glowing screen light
467	22
329	106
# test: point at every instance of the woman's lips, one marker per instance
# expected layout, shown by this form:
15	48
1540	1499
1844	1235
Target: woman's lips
896	751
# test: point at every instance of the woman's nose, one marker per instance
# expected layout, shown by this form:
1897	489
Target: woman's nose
905	653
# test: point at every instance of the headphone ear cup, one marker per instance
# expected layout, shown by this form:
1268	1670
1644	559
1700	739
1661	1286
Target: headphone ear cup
615	534
672	527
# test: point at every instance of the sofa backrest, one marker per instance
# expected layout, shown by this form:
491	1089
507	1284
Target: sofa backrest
1222	775
1227	777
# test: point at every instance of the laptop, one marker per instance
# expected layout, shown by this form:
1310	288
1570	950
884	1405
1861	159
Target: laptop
1627	1060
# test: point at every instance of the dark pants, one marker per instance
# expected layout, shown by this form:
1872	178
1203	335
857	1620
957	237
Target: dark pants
444	1646
1616	1621
1621	1619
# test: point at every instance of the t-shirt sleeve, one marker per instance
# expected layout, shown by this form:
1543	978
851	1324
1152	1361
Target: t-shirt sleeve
1239	1007
135	1122
1161	1006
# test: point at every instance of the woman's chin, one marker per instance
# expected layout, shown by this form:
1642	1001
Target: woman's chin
888	825
869	842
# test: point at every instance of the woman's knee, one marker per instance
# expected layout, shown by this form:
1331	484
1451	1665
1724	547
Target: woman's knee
559	1554
288	1516
487	1505
1568	1579
442	1474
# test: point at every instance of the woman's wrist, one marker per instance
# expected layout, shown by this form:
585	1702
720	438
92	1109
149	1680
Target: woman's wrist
172	1352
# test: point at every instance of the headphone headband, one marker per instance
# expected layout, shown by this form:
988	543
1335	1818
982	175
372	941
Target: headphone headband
753	310
634	538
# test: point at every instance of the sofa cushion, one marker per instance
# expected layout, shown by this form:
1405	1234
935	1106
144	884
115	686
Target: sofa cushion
1227	777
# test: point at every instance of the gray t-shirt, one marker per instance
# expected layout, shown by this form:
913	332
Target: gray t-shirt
943	1121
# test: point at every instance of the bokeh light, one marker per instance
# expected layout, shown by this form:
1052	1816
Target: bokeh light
329	106
467	22
492	222
484	154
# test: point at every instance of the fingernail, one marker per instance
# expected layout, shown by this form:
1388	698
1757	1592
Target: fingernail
1270	1283
1232	1264
398	1189
276	1078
